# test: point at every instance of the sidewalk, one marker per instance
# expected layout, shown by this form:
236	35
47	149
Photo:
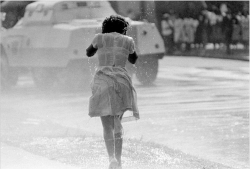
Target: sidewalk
136	155
16	158
237	54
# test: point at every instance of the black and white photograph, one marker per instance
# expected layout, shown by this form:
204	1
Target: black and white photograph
122	84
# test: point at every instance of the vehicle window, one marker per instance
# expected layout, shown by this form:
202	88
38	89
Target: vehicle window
64	6
94	4
45	12
30	13
39	7
81	4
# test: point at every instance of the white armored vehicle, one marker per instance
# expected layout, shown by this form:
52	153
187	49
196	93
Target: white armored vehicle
51	39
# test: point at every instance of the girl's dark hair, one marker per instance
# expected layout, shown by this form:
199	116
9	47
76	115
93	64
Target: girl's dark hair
115	23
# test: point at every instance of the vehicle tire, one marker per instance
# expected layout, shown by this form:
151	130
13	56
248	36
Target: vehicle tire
147	69
44	78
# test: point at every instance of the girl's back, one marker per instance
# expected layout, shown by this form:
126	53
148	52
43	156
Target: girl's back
113	49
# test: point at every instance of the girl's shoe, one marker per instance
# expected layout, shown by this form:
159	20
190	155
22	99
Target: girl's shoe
113	164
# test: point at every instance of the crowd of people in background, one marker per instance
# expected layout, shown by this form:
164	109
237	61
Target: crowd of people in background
221	29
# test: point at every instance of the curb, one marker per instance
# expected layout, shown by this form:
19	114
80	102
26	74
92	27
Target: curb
16	158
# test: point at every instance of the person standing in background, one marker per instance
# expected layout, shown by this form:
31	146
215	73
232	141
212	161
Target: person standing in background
227	28
201	31
167	28
178	32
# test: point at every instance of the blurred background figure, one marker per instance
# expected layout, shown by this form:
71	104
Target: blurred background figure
178	32
201	31
167	27
227	28
190	26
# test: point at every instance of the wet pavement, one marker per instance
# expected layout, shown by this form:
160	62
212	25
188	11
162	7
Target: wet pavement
198	108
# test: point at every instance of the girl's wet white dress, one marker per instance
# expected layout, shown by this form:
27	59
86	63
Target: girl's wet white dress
112	89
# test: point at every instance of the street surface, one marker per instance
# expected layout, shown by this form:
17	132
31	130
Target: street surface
199	106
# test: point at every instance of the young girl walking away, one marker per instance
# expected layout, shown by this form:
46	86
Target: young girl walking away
112	90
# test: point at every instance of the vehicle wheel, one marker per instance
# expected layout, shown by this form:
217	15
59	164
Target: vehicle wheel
147	69
43	78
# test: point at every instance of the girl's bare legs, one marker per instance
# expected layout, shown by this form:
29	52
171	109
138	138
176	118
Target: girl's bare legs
113	139
118	147
118	138
108	134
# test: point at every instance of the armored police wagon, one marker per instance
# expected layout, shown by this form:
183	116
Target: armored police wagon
52	37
